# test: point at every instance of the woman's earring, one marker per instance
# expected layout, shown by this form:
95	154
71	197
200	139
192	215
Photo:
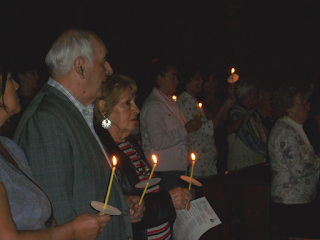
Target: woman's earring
106	123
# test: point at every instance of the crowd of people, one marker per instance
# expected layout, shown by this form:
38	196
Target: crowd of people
59	158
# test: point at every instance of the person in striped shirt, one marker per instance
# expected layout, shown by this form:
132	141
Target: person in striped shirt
117	111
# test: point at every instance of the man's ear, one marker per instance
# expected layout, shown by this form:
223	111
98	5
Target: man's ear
79	66
101	106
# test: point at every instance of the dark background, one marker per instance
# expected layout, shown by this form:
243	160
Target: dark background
271	40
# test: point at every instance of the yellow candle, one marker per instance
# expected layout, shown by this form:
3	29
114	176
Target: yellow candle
174	97
193	157
144	192
200	106
114	160
154	158
232	87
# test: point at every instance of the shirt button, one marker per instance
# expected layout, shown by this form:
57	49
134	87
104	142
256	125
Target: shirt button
126	212
130	238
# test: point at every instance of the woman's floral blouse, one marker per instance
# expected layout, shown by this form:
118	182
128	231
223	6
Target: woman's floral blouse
294	166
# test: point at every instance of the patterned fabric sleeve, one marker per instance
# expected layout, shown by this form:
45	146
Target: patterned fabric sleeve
189	106
247	135
300	162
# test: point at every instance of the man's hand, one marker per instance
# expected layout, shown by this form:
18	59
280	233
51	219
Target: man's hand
180	198
88	226
136	210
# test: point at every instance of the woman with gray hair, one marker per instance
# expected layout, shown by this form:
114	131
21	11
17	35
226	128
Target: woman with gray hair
294	166
247	144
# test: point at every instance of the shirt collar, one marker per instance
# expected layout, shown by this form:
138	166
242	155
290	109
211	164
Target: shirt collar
64	91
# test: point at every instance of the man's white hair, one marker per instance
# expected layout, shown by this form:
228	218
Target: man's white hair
65	50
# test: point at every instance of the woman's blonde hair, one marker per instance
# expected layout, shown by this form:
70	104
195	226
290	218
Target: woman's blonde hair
111	91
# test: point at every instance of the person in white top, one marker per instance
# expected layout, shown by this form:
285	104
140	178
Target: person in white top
164	128
202	140
294	166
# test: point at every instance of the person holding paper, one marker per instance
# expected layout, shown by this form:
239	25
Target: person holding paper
116	115
56	133
26	211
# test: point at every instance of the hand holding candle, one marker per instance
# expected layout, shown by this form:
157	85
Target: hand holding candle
154	158
114	160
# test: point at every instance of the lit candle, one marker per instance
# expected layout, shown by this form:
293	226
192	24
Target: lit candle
193	157
174	97
144	192
114	160
154	158
232	86
200	106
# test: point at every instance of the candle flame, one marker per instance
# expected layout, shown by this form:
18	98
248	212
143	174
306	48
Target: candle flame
193	157
232	70
200	105
154	158
174	97
114	160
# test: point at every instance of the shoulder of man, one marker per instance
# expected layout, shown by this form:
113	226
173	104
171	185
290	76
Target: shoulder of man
50	101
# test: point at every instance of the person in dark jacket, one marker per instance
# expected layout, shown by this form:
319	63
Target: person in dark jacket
116	115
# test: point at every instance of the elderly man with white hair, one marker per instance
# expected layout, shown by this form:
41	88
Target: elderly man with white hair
56	133
248	144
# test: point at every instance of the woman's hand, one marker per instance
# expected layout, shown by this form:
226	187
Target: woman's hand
193	125
180	198
136	210
229	102
87	226
235	127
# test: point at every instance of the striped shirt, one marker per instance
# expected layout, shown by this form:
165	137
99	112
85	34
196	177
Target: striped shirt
162	232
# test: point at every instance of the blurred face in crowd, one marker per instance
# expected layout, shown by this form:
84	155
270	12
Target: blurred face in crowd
124	115
168	83
299	111
211	86
28	83
194	86
265	103
252	100
11	99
